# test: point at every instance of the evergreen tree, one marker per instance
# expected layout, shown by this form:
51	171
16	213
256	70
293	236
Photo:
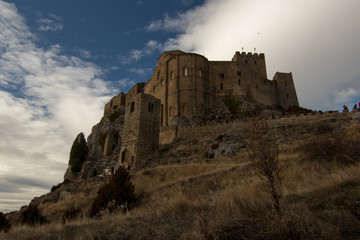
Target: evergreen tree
78	153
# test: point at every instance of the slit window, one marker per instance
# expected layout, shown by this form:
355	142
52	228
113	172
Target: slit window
239	73
185	72
200	73
221	86
132	107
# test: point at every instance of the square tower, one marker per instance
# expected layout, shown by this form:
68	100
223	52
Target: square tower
141	130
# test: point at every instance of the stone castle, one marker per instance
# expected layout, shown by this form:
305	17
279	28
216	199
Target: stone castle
187	85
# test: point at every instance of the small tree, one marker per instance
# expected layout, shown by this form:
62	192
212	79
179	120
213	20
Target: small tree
119	190
263	150
32	216
4	223
78	153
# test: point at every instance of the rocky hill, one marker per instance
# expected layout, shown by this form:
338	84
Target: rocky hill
204	183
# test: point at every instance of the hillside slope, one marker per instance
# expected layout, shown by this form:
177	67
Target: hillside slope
205	186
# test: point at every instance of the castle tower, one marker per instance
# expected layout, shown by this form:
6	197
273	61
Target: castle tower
180	81
141	129
285	88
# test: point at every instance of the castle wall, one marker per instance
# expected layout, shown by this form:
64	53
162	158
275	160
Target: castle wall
286	90
114	103
180	82
254	62
141	129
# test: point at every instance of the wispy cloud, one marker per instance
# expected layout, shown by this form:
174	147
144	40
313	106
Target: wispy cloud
53	23
46	98
135	55
141	71
126	82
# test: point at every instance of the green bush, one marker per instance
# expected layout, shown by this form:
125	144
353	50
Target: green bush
232	103
4	223
78	153
119	190
32	216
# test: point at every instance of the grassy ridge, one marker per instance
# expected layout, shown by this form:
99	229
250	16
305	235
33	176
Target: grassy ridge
224	198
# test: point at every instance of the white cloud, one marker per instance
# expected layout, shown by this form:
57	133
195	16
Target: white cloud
47	99
53	23
318	44
346	95
126	82
84	53
135	55
141	71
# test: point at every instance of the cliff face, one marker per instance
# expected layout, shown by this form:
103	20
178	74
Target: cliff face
104	145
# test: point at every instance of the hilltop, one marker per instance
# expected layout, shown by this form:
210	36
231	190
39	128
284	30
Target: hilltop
205	186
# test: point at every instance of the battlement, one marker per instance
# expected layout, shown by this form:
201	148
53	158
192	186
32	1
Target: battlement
237	56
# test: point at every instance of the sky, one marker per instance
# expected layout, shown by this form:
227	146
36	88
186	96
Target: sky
61	61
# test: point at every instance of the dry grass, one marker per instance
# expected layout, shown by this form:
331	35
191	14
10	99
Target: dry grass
225	199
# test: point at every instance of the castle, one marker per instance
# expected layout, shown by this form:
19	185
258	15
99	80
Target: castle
187	85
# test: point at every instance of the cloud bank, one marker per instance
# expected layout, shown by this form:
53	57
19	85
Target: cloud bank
46	99
316	40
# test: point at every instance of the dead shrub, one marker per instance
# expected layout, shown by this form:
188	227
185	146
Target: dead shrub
263	150
342	148
118	191
32	216
4	223
71	214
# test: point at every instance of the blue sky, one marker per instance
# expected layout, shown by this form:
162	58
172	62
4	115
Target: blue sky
61	61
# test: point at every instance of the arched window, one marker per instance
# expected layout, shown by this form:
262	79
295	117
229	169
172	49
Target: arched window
185	72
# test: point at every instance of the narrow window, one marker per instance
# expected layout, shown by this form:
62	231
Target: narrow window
222	75
111	104
221	86
255	62
132	107
149	107
199	73
246	61
172	75
239	82
158	75
256	87
287	95
239	73
185	72
123	157
285	84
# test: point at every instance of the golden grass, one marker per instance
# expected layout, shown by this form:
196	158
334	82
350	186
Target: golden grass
225	199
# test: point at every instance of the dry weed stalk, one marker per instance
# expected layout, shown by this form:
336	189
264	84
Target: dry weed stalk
263	150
